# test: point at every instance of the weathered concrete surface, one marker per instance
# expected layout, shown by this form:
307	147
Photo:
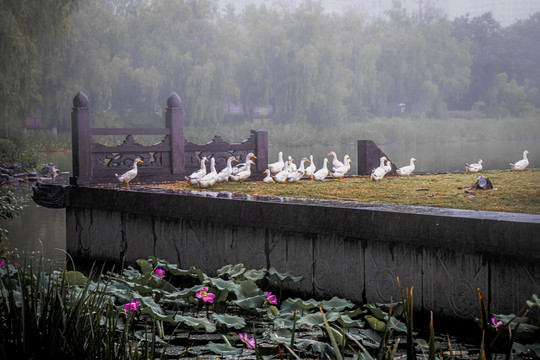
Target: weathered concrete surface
347	249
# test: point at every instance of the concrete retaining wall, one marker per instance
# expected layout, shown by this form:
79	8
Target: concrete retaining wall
346	249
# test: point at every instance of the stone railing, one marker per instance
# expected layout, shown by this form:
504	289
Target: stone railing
170	159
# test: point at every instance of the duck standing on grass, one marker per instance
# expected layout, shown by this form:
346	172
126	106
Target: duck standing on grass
209	179
268	179
194	178
378	173
336	164
223	175
242	167
297	174
407	170
310	170
277	166
322	173
521	164
475	167
243	175
339	173
130	175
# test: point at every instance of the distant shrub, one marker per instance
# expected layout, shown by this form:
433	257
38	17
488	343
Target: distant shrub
8	149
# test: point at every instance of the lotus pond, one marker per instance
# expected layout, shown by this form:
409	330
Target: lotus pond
157	310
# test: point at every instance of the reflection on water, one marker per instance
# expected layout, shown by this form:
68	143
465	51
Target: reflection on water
39	227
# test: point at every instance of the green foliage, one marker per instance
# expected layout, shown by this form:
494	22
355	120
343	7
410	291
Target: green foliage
8	150
10	207
67	314
316	70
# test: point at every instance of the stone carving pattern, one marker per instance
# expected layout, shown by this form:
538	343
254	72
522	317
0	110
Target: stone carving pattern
193	157
124	160
462	296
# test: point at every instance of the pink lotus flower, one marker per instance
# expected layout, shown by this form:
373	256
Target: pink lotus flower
250	343
2	264
132	307
496	324
271	298
204	295
160	273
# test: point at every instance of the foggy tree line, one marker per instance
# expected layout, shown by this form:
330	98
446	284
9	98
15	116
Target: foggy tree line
308	65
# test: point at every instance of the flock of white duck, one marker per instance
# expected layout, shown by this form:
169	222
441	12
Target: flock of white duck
287	171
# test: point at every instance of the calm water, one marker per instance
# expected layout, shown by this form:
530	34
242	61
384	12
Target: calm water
42	229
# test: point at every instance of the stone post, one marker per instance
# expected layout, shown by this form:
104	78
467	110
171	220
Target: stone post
261	139
81	137
174	120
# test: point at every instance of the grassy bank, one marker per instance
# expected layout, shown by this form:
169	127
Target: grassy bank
513	191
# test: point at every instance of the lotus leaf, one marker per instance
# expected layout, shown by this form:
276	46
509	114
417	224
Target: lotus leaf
370	338
375	323
232	270
315	346
305	304
149	306
397	325
336	304
230	321
255	275
75	278
221	284
284	277
196	323
288	307
223	349
246	289
184	293
316	319
376	311
274	312
346	321
144	335
532	350
251	303
146	266
283	323
535	301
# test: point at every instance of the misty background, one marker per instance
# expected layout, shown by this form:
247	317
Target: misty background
308	71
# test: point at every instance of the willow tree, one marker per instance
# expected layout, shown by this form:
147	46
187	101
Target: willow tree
26	27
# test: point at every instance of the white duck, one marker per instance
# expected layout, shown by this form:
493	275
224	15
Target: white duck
277	166
242	166
243	175
291	164
282	176
339	173
407	170
521	164
297	174
129	175
268	179
336	164
223	175
310	170
322	173
194	178
387	167
378	173
475	167
211	178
